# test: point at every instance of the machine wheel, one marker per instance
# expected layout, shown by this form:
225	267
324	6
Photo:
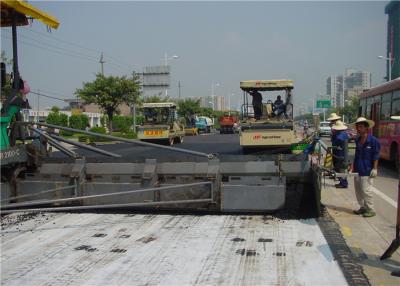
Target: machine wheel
245	150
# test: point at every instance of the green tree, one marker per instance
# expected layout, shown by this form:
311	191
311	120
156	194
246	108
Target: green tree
350	111
57	118
188	107
78	121
110	91
207	111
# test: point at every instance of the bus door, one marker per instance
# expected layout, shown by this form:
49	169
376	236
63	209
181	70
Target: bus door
375	112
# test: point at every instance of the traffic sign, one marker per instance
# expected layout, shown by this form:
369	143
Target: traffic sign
323	103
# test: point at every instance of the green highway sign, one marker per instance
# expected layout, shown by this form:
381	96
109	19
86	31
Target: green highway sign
323	103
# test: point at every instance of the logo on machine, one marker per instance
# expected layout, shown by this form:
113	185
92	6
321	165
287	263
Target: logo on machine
257	137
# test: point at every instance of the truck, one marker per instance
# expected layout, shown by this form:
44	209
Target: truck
204	124
227	123
161	124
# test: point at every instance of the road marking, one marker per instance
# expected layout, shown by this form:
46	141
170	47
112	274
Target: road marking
384	197
347	231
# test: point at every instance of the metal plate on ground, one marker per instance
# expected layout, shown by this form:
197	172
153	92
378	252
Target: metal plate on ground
253	193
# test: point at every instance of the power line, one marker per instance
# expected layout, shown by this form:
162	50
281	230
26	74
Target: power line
80	46
54	46
67	53
48	96
52	50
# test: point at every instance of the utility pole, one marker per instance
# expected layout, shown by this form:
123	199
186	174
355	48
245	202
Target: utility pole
38	103
179	89
102	62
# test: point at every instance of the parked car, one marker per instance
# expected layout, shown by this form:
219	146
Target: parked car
324	128
352	134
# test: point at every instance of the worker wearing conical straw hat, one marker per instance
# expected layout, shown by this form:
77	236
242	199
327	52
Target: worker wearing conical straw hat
339	142
366	165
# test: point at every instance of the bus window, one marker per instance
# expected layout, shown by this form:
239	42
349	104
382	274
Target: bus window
396	94
385	107
396	107
361	110
370	101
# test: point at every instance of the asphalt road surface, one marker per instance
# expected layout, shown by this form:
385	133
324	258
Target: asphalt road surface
212	143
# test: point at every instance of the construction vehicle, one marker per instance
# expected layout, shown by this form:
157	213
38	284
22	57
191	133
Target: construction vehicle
227	122
161	124
16	158
190	125
204	124
274	129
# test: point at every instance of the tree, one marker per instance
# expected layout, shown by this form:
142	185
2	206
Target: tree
188	107
57	118
350	110
207	111
110	91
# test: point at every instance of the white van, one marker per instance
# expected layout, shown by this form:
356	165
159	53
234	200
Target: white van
324	128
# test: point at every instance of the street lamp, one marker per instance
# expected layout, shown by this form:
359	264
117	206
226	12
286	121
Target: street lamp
390	59
166	59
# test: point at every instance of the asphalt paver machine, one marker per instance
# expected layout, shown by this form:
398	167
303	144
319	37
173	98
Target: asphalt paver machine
274	128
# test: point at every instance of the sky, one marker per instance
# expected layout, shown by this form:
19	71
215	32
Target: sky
216	42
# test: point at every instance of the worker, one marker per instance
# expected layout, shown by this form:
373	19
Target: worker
366	165
333	117
257	103
279	106
305	128
339	147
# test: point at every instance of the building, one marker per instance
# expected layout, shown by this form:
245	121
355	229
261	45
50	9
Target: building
341	88
94	108
31	115
393	39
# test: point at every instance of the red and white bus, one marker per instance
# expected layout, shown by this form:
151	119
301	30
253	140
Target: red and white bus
378	104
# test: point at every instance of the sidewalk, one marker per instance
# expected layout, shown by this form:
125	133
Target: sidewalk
368	238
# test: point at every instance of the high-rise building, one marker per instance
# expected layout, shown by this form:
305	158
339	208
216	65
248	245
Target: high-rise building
393	39
342	88
334	89
219	103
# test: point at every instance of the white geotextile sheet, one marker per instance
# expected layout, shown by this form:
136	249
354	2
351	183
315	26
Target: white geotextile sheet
147	249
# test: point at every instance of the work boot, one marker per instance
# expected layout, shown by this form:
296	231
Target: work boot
369	214
360	211
340	186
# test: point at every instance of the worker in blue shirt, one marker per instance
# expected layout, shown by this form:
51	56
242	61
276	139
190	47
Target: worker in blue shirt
339	147
366	165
